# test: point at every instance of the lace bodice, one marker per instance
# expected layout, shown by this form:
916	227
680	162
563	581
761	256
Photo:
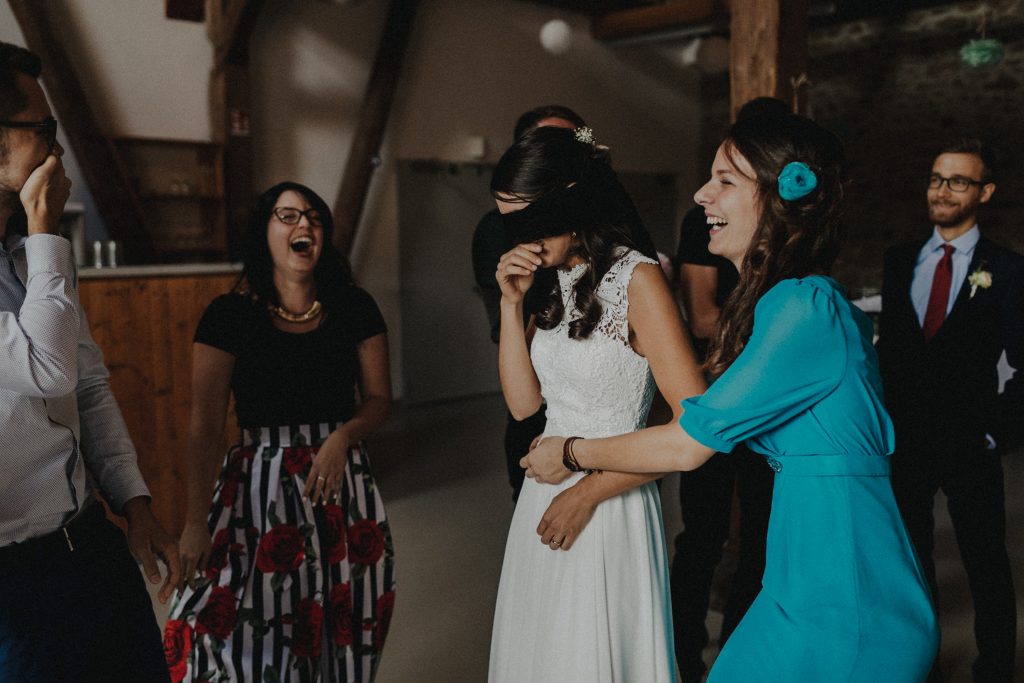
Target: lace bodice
598	386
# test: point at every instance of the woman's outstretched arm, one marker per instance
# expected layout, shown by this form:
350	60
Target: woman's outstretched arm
656	331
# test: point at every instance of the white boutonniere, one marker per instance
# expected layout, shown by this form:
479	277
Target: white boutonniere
979	278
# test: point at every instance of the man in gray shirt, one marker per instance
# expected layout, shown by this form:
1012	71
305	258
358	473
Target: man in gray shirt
73	605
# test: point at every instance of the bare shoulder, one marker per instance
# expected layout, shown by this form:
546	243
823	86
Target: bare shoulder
647	280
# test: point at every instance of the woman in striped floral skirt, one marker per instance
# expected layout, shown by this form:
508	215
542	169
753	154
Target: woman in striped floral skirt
291	570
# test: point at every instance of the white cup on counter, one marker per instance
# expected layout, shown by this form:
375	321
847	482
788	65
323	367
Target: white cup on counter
105	254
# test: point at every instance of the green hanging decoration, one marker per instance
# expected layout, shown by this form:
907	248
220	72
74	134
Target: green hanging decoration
984	51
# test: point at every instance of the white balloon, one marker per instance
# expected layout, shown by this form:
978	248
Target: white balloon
556	36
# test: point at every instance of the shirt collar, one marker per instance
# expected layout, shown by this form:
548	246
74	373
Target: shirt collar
964	244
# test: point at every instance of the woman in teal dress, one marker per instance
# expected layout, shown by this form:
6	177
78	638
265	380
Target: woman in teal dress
843	596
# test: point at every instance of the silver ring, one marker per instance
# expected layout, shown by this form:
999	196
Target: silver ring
320	477
556	543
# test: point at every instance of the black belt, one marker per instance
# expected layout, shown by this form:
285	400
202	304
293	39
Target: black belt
67	539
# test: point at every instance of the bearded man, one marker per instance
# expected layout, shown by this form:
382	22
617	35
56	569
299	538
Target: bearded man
951	306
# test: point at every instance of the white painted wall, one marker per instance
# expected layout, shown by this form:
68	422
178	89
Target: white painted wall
138	69
472	67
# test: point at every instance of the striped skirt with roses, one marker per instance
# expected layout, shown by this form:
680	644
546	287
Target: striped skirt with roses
291	592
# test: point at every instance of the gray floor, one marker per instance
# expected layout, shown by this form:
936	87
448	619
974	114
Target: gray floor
440	469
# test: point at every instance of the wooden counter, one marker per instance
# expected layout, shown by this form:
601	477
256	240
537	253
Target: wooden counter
143	319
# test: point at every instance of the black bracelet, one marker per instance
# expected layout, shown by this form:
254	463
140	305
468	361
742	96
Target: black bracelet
568	458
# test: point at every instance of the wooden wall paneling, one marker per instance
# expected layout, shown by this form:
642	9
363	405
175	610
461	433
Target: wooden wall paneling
144	327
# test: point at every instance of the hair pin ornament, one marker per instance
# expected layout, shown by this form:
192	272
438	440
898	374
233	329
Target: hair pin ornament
796	181
584	134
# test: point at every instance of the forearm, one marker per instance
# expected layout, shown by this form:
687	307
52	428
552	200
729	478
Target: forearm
371	414
664	448
107	449
599	486
38	344
704	323
201	462
519	382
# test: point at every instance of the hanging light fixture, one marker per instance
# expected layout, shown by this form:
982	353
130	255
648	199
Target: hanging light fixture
983	51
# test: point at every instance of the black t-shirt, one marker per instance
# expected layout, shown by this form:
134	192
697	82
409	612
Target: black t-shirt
694	239
281	378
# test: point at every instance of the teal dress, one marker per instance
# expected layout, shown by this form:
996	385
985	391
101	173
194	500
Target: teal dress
843	597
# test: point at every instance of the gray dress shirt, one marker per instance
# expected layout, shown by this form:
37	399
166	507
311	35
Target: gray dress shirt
61	431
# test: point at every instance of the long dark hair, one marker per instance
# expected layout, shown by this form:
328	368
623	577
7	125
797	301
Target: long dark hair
548	160
332	274
793	238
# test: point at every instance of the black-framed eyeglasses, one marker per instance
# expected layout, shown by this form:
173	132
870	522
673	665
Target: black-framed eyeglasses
290	216
48	126
956	184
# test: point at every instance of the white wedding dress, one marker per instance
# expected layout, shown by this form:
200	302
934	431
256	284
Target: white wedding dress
599	612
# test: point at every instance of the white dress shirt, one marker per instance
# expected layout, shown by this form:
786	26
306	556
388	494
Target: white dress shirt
60	427
928	259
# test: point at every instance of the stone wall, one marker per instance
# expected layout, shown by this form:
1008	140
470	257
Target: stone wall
895	88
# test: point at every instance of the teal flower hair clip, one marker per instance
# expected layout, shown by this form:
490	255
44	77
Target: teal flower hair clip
796	181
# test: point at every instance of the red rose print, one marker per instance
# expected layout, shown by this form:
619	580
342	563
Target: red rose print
222	547
177	646
218	617
309	618
332	540
296	459
365	542
341	610
281	549
384	610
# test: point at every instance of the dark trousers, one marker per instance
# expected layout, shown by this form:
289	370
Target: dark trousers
705	496
518	436
973	484
78	616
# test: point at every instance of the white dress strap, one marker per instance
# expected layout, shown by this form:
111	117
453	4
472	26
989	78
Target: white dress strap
613	292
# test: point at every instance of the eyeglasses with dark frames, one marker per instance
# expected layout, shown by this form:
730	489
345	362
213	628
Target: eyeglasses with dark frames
48	126
291	216
956	184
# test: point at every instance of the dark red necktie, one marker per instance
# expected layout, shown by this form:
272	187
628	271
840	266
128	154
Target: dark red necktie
939	297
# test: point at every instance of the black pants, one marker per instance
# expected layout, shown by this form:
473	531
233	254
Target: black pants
518	436
705	496
78	616
973	484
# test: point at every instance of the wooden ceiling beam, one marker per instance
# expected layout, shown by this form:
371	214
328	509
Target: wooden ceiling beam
231	27
773	55
371	123
100	162
631	23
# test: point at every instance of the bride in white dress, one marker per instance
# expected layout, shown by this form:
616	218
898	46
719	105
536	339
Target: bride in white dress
584	593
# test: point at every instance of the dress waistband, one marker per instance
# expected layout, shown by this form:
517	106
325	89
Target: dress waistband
843	464
288	435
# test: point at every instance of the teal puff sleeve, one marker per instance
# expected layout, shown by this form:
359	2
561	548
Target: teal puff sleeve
795	357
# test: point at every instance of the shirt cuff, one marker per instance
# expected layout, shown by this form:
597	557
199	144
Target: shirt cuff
47	253
122	485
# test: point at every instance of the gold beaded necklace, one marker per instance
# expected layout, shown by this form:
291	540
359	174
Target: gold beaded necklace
287	316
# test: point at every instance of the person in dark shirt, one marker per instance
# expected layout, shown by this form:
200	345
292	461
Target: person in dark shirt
490	242
293	342
705	495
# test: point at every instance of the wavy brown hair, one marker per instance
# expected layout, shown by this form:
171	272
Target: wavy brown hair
793	238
